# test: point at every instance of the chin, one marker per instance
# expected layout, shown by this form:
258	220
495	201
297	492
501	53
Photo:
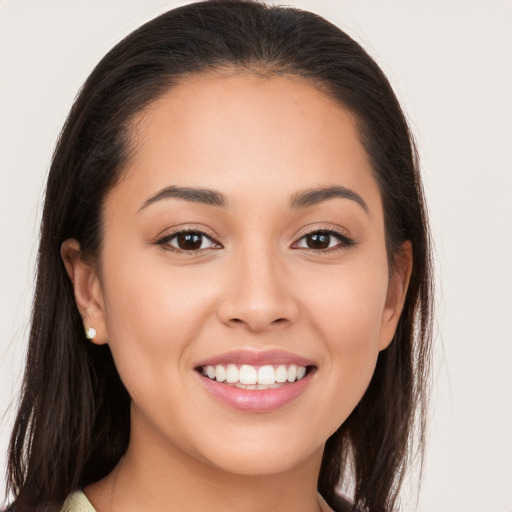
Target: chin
259	464
259	457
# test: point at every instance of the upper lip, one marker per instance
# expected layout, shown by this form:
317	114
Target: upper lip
256	358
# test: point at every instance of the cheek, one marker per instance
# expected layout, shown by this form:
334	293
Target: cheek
347	313
347	303
153	313
146	294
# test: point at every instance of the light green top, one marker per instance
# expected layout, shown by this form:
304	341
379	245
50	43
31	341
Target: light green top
78	502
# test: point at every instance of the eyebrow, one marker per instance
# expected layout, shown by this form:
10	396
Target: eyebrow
304	199
316	196
194	195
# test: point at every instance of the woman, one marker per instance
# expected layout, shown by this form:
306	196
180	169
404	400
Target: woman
233	297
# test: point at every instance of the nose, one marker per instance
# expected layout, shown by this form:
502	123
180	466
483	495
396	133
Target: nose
258	293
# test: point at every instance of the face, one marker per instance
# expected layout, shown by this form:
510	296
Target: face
243	247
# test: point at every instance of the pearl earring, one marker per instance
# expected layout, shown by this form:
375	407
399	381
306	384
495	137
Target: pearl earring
90	333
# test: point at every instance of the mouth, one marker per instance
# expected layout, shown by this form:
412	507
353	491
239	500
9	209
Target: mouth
252	377
256	381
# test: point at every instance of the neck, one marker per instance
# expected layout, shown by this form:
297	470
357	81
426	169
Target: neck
156	476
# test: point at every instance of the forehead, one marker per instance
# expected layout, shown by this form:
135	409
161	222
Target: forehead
243	131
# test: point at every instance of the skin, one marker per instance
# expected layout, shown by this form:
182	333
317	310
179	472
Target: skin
259	140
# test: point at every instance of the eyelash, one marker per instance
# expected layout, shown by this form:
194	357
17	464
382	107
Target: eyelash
164	241
344	241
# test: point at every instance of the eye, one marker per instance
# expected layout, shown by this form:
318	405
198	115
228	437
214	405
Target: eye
323	240
188	241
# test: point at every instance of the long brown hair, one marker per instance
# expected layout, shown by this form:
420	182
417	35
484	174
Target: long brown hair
73	421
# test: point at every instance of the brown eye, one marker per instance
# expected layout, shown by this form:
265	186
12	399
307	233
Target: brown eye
188	241
323	240
318	240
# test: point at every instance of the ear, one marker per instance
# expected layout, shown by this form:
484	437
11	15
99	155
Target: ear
87	288
397	291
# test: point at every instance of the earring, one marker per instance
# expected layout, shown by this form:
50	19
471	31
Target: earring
90	333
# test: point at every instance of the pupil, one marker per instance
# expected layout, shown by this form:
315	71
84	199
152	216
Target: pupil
189	241
319	241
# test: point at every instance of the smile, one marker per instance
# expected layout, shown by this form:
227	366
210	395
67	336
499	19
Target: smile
254	377
256	381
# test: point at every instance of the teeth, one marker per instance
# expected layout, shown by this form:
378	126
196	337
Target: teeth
252	377
220	373
281	374
248	374
232	373
292	373
266	375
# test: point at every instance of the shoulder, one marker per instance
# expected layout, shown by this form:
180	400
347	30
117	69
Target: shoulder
77	502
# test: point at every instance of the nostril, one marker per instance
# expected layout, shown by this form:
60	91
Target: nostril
277	321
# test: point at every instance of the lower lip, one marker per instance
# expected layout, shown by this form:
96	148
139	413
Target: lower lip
262	400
